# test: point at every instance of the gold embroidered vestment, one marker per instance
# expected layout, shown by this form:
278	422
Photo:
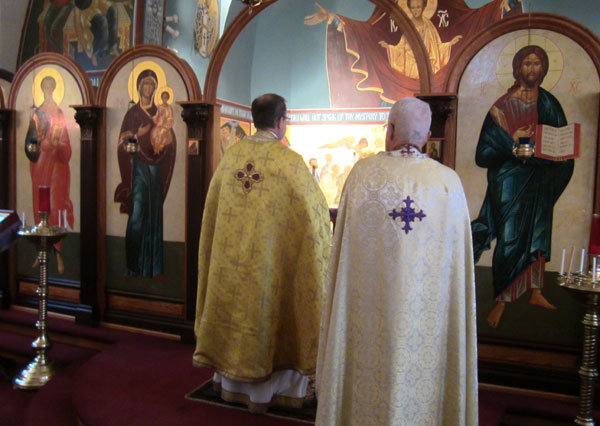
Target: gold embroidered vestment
262	262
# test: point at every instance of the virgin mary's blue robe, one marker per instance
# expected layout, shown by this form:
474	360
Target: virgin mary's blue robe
145	179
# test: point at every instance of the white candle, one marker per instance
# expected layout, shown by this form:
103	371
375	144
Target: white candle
582	263
562	262
65	223
23	219
594	269
59	218
571	260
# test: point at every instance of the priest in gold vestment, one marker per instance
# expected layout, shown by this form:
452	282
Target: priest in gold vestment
262	263
398	334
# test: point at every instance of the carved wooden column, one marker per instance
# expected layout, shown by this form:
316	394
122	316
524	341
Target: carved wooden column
89	118
197	116
5	120
443	105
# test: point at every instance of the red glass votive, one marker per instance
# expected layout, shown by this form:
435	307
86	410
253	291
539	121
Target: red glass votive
595	235
44	199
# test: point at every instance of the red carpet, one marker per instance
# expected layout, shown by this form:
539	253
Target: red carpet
133	379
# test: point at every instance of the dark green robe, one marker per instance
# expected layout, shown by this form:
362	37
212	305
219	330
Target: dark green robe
145	179
518	205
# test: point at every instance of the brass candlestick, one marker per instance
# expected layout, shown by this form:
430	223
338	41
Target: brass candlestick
39	371
586	288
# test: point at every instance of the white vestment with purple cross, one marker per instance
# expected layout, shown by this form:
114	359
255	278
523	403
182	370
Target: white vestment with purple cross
398	333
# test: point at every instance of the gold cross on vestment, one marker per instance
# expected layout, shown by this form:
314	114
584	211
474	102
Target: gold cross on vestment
248	176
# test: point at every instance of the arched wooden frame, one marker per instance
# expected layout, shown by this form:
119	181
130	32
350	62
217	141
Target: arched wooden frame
48	58
244	17
182	67
569	28
87	95
193	174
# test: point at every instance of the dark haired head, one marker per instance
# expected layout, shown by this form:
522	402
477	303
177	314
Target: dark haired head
522	54
267	109
144	74
239	132
226	126
48	82
424	3
83	4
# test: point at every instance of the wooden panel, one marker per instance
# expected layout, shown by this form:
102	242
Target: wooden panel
134	304
54	291
527	357
126	303
528	393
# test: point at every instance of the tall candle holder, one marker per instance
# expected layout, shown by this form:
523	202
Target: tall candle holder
39	371
585	286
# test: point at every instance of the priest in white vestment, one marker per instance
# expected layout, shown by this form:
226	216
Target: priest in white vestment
398	331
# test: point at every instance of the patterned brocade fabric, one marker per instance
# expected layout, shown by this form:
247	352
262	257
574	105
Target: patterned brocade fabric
398	335
262	263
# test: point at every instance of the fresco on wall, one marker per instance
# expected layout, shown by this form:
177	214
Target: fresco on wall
331	150
145	197
526	213
45	120
232	131
206	27
154	22
92	32
370	63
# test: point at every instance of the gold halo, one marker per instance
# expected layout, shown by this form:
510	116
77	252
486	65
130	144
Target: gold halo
133	76
427	13
504	71
36	88
159	92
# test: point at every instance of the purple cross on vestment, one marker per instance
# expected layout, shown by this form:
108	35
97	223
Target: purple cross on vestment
407	214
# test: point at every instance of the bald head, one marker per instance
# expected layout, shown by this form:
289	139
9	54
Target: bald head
409	122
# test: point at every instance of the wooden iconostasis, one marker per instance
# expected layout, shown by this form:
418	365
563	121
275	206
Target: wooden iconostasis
109	275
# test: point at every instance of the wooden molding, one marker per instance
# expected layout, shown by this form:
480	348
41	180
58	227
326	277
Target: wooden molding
182	67
55	292
145	306
50	58
545	21
528	357
196	115
89	118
